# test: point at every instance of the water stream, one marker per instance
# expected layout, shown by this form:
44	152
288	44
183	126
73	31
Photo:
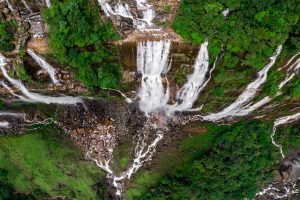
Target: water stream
152	63
189	93
272	190
236	108
48	3
153	96
34	97
45	65
123	10
4	124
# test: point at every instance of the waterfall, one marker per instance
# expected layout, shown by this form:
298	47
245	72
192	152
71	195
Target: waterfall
123	10
274	193
12	114
281	121
152	62
37	97
34	96
45	65
225	12
189	93
120	9
48	3
13	93
27	7
143	151
147	12
291	73
4	124
250	92
10	7
272	190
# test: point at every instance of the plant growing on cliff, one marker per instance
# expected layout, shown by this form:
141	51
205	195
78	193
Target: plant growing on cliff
80	38
238	159
6	35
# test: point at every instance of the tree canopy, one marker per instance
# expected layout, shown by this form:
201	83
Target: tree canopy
240	158
80	39
250	33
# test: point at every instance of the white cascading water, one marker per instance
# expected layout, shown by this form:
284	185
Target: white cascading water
4	124
291	73
120	9
22	98
12	114
34	97
189	93
123	10
281	121
152	62
27	7
45	65
235	109
147	12
10	7
225	12
271	190
48	3
143	151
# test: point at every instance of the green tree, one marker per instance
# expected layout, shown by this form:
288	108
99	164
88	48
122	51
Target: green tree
81	39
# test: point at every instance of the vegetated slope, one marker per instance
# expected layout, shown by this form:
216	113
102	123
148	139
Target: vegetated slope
249	34
80	38
239	160
43	162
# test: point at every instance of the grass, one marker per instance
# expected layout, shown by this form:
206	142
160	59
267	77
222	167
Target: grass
45	159
122	155
141	182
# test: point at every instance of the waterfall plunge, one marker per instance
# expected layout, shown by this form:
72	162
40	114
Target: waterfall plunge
48	3
189	93
152	62
281	121
34	97
46	66
147	12
123	10
4	124
242	103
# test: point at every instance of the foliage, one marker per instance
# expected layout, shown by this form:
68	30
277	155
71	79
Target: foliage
20	72
250	33
6	35
232	168
2	104
292	88
80	38
44	163
288	137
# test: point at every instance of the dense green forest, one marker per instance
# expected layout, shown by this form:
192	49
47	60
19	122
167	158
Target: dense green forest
6	35
80	39
237	161
249	34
